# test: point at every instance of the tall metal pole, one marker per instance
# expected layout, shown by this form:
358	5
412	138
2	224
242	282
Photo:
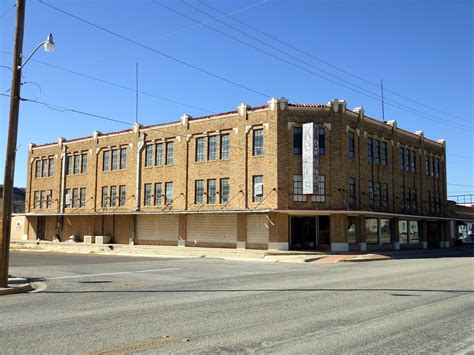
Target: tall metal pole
11	143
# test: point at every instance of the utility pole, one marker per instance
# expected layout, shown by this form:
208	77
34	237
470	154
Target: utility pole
11	143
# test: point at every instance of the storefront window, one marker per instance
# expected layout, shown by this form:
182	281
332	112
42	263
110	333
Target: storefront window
403	231
371	227
324	230
385	231
414	236
351	230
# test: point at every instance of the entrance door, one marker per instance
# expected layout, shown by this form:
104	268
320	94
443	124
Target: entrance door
432	237
303	233
40	228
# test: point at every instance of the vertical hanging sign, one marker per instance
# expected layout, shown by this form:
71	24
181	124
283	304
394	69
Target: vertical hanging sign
310	159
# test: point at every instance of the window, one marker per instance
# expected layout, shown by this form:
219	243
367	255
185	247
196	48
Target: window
385	231
384	153
123	158
371	231
159	154
200	149
169	193
75	198
407	159
82	202
199	192
351	230
378	195
437	202
224	190
351	145
430	202
169	153
321	141
106	161
158	194
320	196
432	166
212	148
122	195
211	191
43	199
257	142
408	198
414	205
147	195
115	164
413	233
352	191
403	231
377	151
298	189
77	164
36	200
370	151
44	165
297	140
385	195
51	167
49	199
402	159
257	188
437	167
104	197
225	142
427	166
371	193
69	165
149	155
67	198
84	163
413	161
38	168
113	196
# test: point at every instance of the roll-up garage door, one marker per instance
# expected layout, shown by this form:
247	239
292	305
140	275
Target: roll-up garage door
257	229
157	228
212	228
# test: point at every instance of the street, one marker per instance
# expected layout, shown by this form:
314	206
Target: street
113	304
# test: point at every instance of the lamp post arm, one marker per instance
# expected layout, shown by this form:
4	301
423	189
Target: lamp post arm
29	57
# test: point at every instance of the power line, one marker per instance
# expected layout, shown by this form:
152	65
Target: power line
8	11
116	84
217	76
460	185
279	40
368	93
460	156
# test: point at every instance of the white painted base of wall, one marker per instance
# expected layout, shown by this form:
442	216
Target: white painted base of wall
102	239
181	243
425	245
89	239
363	246
24	237
396	245
340	247
241	245
131	242
277	246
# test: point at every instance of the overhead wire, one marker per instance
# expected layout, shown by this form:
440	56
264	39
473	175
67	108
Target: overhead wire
7	11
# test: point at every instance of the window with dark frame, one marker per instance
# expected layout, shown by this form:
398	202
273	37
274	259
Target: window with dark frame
384	153
257	188
38	168
123	158
402	159
149	155
83	163
225	146
200	149
104	197
113	196
224	190
159	154
147	195
413	161
169	153
82	197
44	168
115	163
322	141
36	200
371	194
211	191
352	191
297	140
77	164
377	151
320	195
257	149
427	166
298	195
49	198
122	195
212	148
385	195
370	150
199	192
67	198
106	160
437	167
407	159
75	198
351	145
51	167
158	194
432	165
168	193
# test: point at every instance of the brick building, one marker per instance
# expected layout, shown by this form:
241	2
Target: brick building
234	180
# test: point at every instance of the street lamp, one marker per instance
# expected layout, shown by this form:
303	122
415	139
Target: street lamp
49	46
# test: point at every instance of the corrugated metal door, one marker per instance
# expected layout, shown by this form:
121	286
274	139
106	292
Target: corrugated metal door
257	229
212	228
158	228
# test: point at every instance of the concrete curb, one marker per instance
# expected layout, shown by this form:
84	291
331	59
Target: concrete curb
16	289
365	259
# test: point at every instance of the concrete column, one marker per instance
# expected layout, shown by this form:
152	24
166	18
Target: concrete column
424	234
338	233
442	233
182	230
396	233
241	230
362	233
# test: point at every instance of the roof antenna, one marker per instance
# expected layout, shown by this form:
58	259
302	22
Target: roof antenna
383	108
136	93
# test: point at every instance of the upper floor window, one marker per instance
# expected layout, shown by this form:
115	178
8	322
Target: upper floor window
377	151
38	168
384	153
84	163
414	204
370	150
158	194
225	145
351	145
159	154
371	194
297	140
352	191
257	188
75	198
298	189
113	196
106	160
257	142
123	158
44	165
212	148
51	167
224	190
69	165
385	195
413	161
77	164
104	197
82	197
432	166
147	195
378	194
321	141
320	195
67	198
199	192
122	195
437	168
407	160
49	199
168	193
402	158
200	149
169	153
427	166
211	191
36	202
115	159
149	155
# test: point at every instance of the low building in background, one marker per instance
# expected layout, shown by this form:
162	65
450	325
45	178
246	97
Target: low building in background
235	179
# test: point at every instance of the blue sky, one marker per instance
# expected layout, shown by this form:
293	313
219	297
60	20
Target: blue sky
423	50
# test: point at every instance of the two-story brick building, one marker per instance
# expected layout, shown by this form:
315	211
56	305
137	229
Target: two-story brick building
234	180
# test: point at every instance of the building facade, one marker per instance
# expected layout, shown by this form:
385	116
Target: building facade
235	180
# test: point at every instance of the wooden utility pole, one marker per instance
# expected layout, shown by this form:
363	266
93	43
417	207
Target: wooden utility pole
11	143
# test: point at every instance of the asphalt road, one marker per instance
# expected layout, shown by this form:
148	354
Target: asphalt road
101	304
